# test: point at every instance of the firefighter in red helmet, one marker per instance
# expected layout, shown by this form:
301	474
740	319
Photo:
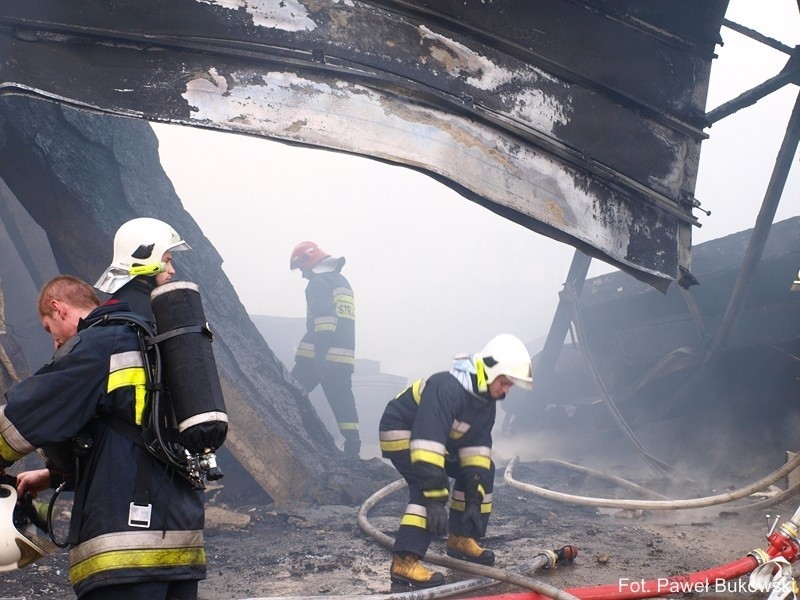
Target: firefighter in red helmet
326	354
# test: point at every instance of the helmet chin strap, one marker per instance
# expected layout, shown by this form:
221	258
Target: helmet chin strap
480	375
151	269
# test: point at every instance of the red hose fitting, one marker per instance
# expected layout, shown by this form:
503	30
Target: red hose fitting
567	554
783	542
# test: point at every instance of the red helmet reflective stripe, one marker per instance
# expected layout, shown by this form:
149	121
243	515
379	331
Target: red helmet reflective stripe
306	255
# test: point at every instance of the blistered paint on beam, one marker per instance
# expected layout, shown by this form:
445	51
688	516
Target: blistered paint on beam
349	116
607	164
288	15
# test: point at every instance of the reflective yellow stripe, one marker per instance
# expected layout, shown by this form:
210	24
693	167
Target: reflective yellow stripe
441	493
414	521
395	440
325	324
133	376
460	506
7	453
348	426
416	390
434	458
304	352
476	460
395	445
340	358
136	559
13	445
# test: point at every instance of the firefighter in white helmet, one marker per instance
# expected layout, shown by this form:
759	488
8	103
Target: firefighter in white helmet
441	428
142	260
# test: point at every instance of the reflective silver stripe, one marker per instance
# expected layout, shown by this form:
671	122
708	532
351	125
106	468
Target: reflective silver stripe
474	451
175	285
342	352
125	360
460	426
325	323
135	540
214	415
10	436
395	434
416	509
428	445
459	495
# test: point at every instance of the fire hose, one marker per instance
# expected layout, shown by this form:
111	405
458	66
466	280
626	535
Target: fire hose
540	587
765	567
487	575
714	500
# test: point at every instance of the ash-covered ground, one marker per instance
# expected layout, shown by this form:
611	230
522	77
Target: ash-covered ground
273	551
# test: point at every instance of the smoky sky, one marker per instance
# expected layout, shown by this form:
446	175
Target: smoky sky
434	274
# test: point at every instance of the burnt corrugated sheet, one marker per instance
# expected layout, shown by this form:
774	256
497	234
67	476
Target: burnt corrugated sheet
581	120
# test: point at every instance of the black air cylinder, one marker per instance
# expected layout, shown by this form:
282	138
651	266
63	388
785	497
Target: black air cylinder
189	368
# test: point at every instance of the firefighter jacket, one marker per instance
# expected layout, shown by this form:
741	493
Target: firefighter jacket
439	420
136	293
97	379
330	321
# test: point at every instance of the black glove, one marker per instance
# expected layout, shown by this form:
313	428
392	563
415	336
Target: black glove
437	518
472	505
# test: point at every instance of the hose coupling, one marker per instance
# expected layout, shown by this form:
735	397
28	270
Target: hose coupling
551	557
567	554
783	542
761	556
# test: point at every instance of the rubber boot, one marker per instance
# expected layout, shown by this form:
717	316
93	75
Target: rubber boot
406	568
467	548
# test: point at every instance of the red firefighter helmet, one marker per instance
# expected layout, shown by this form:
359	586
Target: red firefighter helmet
306	255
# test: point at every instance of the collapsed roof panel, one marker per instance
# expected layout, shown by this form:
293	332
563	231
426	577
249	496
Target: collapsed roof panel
581	120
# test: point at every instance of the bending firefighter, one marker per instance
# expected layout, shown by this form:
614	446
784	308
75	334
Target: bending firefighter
441	428
136	530
326	354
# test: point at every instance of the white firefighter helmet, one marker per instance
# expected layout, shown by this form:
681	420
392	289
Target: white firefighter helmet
505	354
16	550
139	245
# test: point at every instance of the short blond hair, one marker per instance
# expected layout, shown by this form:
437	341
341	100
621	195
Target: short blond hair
69	289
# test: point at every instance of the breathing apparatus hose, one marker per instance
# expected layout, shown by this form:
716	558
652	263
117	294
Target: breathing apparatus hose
690	503
452	563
